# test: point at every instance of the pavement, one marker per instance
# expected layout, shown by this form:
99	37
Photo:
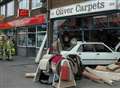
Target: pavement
12	75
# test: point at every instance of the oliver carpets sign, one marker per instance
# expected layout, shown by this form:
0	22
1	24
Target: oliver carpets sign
84	8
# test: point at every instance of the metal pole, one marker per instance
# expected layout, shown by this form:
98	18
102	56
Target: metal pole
50	25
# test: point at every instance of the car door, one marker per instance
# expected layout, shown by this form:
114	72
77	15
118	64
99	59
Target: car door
104	55
87	53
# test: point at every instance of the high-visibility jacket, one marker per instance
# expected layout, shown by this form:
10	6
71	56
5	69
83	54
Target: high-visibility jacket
7	45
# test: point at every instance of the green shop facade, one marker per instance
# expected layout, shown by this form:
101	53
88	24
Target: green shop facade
90	21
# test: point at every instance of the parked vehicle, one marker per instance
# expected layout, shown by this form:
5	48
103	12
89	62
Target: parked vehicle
93	53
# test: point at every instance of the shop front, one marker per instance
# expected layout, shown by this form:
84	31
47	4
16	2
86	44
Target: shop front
27	33
29	39
92	21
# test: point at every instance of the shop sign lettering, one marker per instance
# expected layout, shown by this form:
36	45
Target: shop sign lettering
90	7
64	11
83	8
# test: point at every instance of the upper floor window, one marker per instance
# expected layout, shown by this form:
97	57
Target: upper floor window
1	0
24	4
10	8
36	4
2	10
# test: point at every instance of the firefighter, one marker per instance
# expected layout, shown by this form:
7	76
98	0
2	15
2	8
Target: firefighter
1	48
2	40
7	52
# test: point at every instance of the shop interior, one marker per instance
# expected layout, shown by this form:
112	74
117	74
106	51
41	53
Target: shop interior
103	28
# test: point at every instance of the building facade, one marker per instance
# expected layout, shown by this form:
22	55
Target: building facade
85	20
59	3
25	22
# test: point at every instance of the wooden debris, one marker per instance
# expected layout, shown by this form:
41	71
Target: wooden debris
109	75
117	63
102	68
117	71
29	75
105	79
113	67
91	76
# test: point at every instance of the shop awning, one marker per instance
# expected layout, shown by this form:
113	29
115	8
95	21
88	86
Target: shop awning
5	26
40	19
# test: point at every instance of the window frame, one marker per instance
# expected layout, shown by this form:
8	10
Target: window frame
3	12
104	47
39	32
26	2
10	5
21	32
81	46
33	7
25	32
93	48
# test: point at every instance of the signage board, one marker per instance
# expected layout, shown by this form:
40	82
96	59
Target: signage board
23	12
84	8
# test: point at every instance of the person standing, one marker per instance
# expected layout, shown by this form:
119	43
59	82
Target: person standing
8	44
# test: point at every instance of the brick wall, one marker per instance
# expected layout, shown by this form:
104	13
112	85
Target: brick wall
58	3
32	12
